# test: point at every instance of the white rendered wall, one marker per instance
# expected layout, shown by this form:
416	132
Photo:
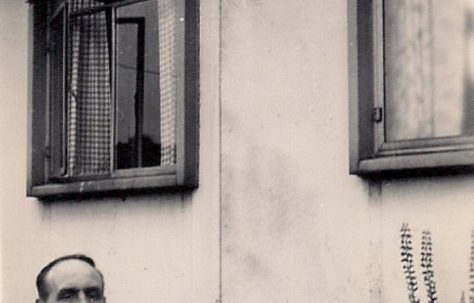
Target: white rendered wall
295	224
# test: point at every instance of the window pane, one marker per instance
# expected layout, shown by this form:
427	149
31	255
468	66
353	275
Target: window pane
54	4
57	109
429	49
138	80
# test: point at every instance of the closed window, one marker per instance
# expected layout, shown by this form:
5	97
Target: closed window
411	85
114	100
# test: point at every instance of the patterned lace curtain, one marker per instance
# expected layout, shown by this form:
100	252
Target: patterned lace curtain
76	5
167	49
89	93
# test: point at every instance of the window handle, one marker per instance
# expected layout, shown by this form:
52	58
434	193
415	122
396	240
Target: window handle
377	115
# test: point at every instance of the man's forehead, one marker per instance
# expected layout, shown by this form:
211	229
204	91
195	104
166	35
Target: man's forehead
73	273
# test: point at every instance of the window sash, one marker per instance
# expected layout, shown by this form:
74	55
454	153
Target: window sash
168	153
381	145
182	175
370	152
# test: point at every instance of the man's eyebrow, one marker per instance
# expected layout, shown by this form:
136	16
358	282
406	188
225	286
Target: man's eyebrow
92	288
93	292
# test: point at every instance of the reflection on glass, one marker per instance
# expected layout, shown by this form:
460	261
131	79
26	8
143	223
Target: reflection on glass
137	92
54	4
429	71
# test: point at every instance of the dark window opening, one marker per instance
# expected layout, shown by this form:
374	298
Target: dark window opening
137	101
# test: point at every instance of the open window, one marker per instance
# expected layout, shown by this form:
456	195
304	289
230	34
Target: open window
411	86
114	91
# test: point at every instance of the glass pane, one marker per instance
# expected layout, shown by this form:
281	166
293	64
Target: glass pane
54	5
429	68
138	134
57	94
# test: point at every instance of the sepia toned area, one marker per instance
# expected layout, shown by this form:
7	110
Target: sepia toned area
276	216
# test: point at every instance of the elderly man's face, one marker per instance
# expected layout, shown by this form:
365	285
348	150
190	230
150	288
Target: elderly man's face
74	281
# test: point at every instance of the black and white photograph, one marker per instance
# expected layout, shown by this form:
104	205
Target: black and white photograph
237	151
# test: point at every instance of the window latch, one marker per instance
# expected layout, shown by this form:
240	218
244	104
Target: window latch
377	114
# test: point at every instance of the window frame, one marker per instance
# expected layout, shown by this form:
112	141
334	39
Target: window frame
369	154
182	175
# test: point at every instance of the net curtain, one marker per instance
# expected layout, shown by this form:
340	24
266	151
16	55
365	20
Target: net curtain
89	94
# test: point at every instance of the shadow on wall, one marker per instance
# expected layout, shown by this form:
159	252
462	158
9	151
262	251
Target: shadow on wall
109	204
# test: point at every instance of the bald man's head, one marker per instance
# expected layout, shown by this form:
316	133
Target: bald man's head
71	278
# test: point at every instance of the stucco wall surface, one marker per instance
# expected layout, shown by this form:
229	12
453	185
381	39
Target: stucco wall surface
295	224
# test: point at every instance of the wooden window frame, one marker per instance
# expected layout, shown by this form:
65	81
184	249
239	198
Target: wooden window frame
370	155
183	175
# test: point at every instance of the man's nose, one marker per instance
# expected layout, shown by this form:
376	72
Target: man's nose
82	298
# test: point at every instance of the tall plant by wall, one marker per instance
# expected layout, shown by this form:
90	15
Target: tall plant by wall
407	260
471	270
406	248
427	266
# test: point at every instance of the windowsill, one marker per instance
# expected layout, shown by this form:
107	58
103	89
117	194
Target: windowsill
418	164
106	185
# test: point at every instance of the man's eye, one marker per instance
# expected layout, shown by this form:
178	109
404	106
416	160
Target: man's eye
94	294
66	296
